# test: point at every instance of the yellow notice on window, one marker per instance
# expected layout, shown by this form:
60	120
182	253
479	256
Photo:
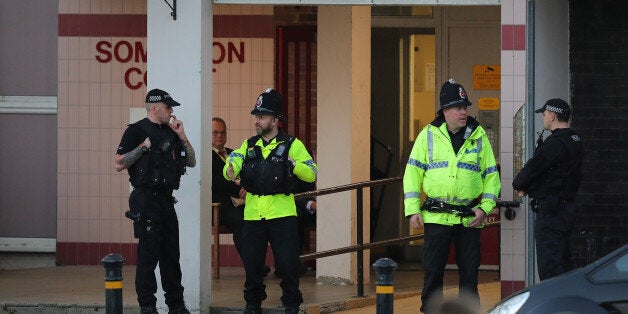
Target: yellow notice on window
491	103
486	76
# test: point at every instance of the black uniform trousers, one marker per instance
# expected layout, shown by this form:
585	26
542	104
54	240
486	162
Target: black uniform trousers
283	236
552	232
437	241
158	243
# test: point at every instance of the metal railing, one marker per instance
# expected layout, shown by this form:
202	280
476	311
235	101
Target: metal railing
359	221
360	246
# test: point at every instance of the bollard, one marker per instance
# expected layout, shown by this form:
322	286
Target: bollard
385	268
113	282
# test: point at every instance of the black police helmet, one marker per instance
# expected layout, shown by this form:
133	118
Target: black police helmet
453	94
268	103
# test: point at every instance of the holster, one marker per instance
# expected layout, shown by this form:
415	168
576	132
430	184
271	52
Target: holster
142	226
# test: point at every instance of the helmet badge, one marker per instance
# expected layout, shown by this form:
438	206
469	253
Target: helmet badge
258	103
461	92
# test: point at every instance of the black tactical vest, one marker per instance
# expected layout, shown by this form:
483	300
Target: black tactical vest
562	180
164	163
267	176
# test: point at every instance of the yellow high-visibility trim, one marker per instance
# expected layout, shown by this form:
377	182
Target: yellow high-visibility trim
113	284
385	289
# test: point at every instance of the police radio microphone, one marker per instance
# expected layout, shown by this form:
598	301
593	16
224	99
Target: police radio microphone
539	141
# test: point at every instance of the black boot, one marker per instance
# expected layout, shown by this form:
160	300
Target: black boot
292	309
148	310
252	308
181	309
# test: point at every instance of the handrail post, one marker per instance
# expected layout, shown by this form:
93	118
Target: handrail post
360	240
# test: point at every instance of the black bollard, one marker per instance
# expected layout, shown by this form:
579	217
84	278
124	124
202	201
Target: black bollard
113	282
385	269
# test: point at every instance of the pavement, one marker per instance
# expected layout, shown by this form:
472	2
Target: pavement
80	289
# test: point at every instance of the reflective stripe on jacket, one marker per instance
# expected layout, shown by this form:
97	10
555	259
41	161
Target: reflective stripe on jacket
259	207
456	179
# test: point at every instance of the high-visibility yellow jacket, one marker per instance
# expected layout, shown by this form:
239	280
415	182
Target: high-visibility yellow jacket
457	179
259	207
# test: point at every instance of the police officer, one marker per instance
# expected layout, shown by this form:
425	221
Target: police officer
452	162
265	164
155	150
552	178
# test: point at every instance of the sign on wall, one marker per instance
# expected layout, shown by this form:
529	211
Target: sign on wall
488	103
134	54
486	77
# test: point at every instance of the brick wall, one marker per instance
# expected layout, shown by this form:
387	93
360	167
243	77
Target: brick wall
599	89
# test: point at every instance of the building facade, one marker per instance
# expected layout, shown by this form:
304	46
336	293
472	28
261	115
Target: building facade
74	74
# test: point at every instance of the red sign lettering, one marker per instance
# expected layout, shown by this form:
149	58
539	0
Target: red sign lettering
123	52
220	52
127	78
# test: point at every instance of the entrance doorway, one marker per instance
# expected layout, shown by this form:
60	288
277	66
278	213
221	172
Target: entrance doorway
411	57
403	69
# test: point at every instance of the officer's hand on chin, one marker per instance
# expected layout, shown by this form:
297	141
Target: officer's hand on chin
176	125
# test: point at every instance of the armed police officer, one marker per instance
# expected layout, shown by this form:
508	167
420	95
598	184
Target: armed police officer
452	162
552	178
156	152
265	164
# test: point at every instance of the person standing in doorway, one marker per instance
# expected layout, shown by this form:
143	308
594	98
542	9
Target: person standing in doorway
156	152
452	162
266	164
552	178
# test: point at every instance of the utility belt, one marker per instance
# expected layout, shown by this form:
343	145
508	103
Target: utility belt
166	192
157	192
434	206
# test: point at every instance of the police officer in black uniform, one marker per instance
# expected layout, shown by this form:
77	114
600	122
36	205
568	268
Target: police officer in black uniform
156	152
552	178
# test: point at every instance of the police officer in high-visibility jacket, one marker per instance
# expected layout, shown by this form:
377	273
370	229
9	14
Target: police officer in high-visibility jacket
452	162
266	164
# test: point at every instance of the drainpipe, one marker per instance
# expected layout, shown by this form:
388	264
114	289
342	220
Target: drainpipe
530	129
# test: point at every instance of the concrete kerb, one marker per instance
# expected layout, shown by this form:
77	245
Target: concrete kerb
322	308
21	308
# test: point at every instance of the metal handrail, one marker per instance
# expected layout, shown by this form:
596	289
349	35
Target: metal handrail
359	216
367	246
347	187
360	246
